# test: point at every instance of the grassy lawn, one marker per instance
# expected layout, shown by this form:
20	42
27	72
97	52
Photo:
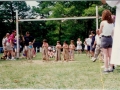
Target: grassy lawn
79	74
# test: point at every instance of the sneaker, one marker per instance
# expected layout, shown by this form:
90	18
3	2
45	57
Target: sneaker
13	58
8	58
102	66
111	70
106	72
94	59
113	67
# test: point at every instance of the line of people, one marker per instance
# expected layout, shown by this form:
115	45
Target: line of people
67	54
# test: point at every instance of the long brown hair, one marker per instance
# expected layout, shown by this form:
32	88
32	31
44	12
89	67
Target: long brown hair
107	15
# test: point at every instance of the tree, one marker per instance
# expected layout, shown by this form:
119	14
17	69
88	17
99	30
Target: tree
8	16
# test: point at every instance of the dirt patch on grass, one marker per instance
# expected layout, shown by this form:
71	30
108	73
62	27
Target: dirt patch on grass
43	62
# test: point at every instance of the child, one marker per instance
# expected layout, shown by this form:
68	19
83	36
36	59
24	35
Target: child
79	46
65	51
45	50
50	52
30	51
58	51
71	49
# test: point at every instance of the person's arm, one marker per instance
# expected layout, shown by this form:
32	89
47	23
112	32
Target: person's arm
101	27
47	45
103	1
23	39
80	42
4	42
113	32
33	40
94	44
74	47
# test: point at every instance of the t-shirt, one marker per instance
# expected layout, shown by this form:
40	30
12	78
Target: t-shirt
107	28
88	41
11	38
28	39
4	41
97	39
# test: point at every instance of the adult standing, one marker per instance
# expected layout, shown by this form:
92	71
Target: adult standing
4	41
92	48
97	44
115	56
10	45
88	42
106	30
27	38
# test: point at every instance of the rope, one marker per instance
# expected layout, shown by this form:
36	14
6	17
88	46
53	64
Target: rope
101	76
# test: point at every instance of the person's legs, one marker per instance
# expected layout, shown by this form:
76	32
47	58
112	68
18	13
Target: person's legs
106	60
97	52
26	51
85	52
88	49
78	51
109	54
12	54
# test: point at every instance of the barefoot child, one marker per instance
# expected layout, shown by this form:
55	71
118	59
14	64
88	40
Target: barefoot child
65	51
45	50
71	50
58	51
30	51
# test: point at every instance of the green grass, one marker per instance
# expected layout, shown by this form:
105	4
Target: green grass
79	74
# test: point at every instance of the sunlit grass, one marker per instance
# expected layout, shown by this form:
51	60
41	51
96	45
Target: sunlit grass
79	74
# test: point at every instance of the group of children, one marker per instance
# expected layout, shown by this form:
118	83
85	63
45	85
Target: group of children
67	54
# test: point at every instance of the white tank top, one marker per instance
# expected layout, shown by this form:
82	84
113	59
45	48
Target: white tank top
107	28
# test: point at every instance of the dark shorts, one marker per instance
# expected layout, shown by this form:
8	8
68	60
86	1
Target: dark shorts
88	48
92	48
106	42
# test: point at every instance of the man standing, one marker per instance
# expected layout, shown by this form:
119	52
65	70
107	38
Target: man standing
27	38
88	42
92	48
97	44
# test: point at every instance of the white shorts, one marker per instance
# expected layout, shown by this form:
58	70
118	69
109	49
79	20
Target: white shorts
85	47
4	48
9	46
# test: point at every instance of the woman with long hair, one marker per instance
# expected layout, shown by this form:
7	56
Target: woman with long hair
106	30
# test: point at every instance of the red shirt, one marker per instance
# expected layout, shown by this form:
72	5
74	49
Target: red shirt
11	38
